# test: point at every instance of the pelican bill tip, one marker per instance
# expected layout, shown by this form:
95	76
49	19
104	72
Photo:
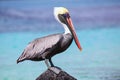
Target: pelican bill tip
80	49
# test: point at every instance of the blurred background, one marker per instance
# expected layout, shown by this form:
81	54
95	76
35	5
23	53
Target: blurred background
97	24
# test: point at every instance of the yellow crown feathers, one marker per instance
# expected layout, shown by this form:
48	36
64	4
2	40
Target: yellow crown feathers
60	10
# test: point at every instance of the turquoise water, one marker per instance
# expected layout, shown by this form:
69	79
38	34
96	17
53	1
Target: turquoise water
99	60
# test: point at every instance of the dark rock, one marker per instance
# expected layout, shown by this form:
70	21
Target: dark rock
55	73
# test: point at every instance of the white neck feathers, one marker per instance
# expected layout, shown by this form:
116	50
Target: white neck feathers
66	29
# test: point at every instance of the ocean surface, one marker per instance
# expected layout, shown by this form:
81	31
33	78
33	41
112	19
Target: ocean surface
97	24
99	60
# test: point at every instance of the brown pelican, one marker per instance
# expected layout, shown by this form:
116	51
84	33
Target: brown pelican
46	47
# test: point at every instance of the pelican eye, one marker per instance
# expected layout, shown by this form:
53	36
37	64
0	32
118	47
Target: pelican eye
62	17
66	15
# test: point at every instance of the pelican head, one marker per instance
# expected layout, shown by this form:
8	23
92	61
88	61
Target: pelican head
62	16
59	11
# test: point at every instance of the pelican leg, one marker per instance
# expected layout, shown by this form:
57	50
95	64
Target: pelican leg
51	63
46	62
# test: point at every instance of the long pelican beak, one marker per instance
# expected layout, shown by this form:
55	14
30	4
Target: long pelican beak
62	15
71	27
